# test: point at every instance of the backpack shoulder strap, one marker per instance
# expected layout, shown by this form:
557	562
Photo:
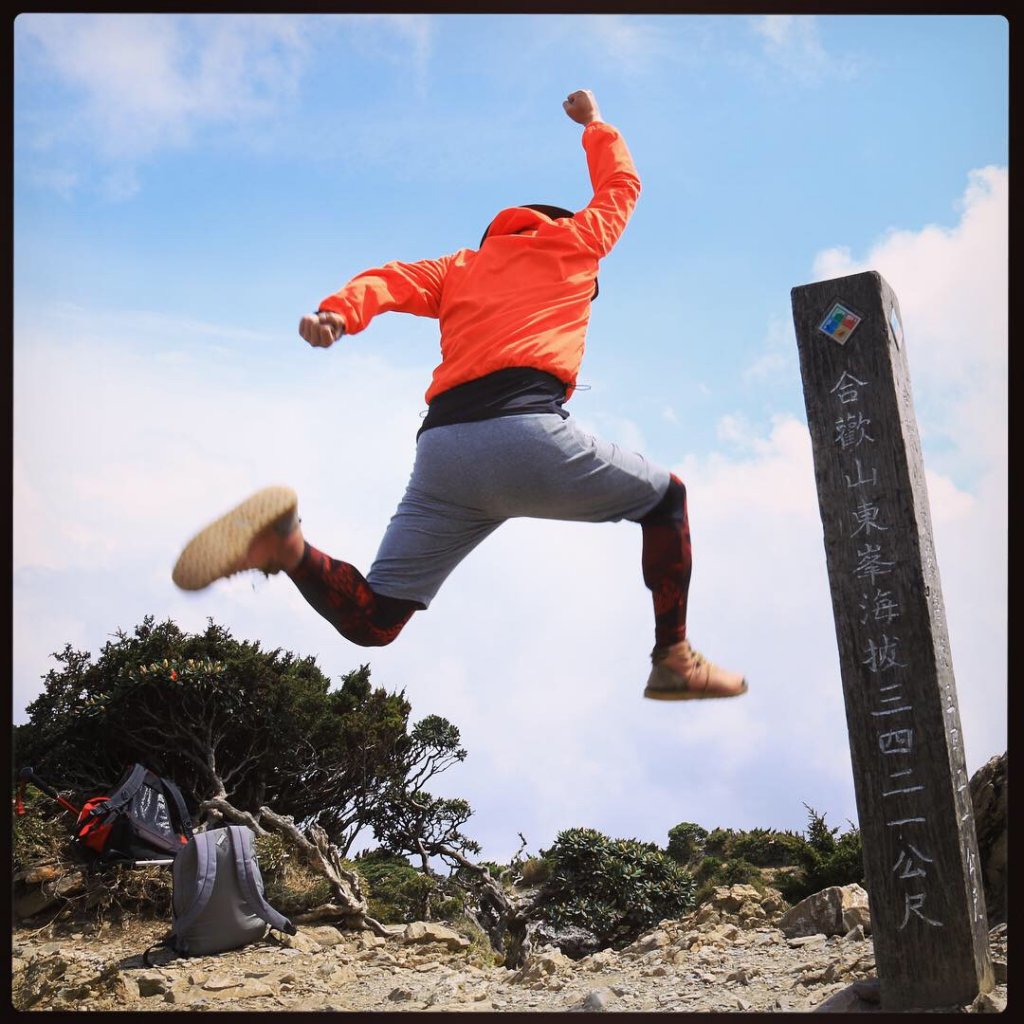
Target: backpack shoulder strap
241	841
206	875
179	804
128	788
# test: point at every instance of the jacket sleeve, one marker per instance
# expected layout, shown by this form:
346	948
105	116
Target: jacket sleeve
616	187
400	287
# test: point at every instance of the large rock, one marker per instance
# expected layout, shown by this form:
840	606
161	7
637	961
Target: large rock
427	931
542	968
741	905
988	795
574	942
45	887
833	911
326	935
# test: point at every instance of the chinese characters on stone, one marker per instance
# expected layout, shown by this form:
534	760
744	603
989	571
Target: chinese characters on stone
871	562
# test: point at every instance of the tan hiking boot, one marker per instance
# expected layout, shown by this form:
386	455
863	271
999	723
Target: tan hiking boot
261	533
681	673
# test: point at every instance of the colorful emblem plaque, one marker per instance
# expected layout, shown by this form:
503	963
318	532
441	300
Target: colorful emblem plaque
840	323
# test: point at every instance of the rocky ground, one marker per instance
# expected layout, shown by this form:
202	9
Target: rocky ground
713	961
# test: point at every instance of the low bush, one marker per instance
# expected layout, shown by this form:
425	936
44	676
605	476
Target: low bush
826	858
536	871
686	842
719	842
614	888
291	887
42	834
767	848
398	893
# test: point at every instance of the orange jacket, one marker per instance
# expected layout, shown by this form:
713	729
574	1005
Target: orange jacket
523	298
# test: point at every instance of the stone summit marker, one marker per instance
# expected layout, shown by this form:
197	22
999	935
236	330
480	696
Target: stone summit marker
921	863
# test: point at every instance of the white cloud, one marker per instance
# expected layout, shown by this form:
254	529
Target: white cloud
121	88
142	82
62	181
376	35
792	44
624	44
777	354
952	287
631	42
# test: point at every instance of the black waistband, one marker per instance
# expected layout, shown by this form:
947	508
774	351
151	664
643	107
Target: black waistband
512	392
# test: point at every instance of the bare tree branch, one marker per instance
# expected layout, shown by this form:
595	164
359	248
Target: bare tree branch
316	852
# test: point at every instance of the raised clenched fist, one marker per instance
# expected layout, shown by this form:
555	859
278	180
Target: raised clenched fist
322	329
582	107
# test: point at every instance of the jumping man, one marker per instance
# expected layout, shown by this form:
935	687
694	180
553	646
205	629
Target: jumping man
497	442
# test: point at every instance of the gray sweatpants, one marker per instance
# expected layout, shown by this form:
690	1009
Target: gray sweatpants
468	478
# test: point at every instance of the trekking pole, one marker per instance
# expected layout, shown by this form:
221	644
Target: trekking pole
27	775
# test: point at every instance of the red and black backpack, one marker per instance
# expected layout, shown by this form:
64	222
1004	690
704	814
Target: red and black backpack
144	818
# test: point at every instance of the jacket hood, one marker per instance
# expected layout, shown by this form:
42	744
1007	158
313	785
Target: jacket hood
523	218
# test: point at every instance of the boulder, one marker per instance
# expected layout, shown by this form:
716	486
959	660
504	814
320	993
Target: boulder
597	1000
45	887
732	898
153	983
571	940
860	997
224	987
33	901
301	941
542	967
740	905
988	796
832	911
427	931
648	943
722	934
326	935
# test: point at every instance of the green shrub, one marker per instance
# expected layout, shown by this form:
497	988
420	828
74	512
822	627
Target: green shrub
719	843
270	853
500	873
709	869
536	871
767	848
615	888
741	872
826	859
291	886
42	834
713	873
686	842
399	893
480	952
821	858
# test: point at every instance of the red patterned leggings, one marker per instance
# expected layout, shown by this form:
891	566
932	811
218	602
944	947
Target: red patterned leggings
340	593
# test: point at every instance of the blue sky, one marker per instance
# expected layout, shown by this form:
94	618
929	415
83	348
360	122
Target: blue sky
186	187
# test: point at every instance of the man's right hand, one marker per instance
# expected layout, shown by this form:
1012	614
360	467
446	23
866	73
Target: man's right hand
321	329
582	107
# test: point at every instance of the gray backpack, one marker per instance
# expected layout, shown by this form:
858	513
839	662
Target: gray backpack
218	900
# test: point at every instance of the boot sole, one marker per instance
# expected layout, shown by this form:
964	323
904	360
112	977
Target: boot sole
689	695
217	549
680	692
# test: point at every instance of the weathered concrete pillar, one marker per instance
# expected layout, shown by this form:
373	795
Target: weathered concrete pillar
920	852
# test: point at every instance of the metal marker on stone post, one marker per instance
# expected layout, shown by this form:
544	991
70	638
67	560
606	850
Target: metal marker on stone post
928	918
